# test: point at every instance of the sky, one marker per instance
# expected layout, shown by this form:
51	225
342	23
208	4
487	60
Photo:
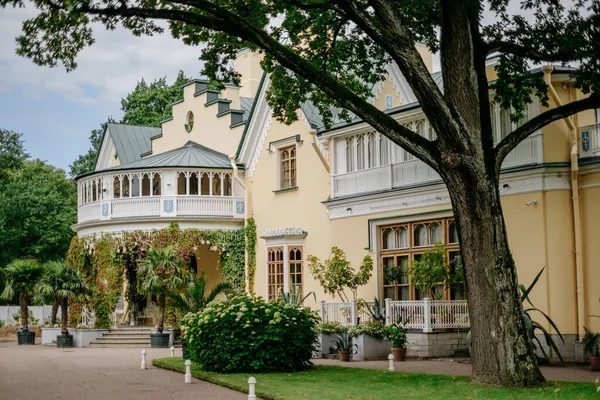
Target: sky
55	110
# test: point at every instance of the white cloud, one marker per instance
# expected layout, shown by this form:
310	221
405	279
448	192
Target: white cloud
109	69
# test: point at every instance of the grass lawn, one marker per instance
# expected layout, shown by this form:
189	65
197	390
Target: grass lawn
332	383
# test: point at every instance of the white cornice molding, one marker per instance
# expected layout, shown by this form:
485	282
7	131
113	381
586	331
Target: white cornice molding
433	195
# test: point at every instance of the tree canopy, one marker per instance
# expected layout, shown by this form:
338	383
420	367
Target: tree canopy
12	152
38	208
332	52
86	162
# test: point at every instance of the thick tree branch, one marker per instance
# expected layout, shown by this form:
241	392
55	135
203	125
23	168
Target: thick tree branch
518	135
220	19
388	32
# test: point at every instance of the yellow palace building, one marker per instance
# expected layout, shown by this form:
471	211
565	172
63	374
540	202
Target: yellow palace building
222	158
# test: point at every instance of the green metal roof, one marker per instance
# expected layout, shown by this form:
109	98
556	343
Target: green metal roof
191	154
132	141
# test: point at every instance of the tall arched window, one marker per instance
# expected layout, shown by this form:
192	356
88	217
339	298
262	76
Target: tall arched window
371	158
156	184
401	237
145	184
360	152
388	239
135	185
116	187
350	166
227	185
194	183
384	150
420	235
216	184
205	184
181	183
295	267
125	191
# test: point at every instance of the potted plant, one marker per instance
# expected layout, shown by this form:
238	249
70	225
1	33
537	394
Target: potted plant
161	274
193	300
591	343
62	283
344	346
21	277
397	334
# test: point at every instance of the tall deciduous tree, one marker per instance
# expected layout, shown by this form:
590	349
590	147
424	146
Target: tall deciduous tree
86	162
38	208
12	152
333	51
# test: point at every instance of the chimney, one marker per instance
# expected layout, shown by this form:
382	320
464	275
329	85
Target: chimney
247	64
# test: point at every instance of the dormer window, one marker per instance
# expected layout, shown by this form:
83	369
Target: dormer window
189	121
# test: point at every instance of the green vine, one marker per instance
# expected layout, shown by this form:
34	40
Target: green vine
250	231
107	259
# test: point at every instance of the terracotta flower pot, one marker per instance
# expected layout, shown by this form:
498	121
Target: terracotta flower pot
594	363
399	353
344	355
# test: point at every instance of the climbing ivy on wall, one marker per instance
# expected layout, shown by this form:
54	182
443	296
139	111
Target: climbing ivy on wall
250	231
108	259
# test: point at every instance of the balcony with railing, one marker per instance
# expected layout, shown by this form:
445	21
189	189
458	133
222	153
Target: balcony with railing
156	194
386	166
590	140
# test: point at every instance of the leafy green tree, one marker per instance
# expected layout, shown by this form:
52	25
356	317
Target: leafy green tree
21	278
336	274
86	162
12	153
161	274
62	283
333	52
38	208
149	104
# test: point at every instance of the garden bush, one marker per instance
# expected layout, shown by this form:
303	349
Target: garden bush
376	330
331	328
247	334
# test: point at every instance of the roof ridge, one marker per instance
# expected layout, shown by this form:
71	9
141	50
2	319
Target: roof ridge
135	126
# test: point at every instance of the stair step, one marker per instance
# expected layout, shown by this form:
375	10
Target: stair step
118	336
133	340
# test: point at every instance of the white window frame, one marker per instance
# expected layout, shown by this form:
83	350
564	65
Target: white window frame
284	242
276	147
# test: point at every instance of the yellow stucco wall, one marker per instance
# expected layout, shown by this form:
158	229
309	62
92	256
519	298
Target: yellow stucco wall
590	200
387	89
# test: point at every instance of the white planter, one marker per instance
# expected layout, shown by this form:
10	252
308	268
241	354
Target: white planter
49	335
83	337
370	348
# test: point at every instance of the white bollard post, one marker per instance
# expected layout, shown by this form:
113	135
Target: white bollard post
144	363
391	361
251	388
172	351
188	371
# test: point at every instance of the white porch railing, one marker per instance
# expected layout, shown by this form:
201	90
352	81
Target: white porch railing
425	315
590	139
206	205
412	172
135	207
88	212
88	317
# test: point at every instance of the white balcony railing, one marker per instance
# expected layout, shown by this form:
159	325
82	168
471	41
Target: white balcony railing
162	206
412	172
425	315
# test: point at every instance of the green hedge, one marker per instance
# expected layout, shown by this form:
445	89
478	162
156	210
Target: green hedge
246	334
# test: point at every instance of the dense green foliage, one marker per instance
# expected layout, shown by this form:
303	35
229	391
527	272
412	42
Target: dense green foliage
38	208
12	153
374	329
146	105
397	333
250	231
247	334
162	272
336	274
195	298
339	383
329	328
591	343
432	270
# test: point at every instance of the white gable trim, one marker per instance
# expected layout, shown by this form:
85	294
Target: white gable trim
399	83
107	151
257	130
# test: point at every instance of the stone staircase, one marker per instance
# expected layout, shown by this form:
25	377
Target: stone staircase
124	336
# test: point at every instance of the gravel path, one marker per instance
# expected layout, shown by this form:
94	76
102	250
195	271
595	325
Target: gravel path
44	372
571	372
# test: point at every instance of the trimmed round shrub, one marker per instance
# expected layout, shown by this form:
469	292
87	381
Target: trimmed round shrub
247	334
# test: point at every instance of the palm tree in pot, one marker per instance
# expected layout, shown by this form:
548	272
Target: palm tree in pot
21	277
62	284
591	343
194	299
160	274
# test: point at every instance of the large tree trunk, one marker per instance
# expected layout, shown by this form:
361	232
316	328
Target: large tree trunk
502	352
24	302
54	312
162	305
64	316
